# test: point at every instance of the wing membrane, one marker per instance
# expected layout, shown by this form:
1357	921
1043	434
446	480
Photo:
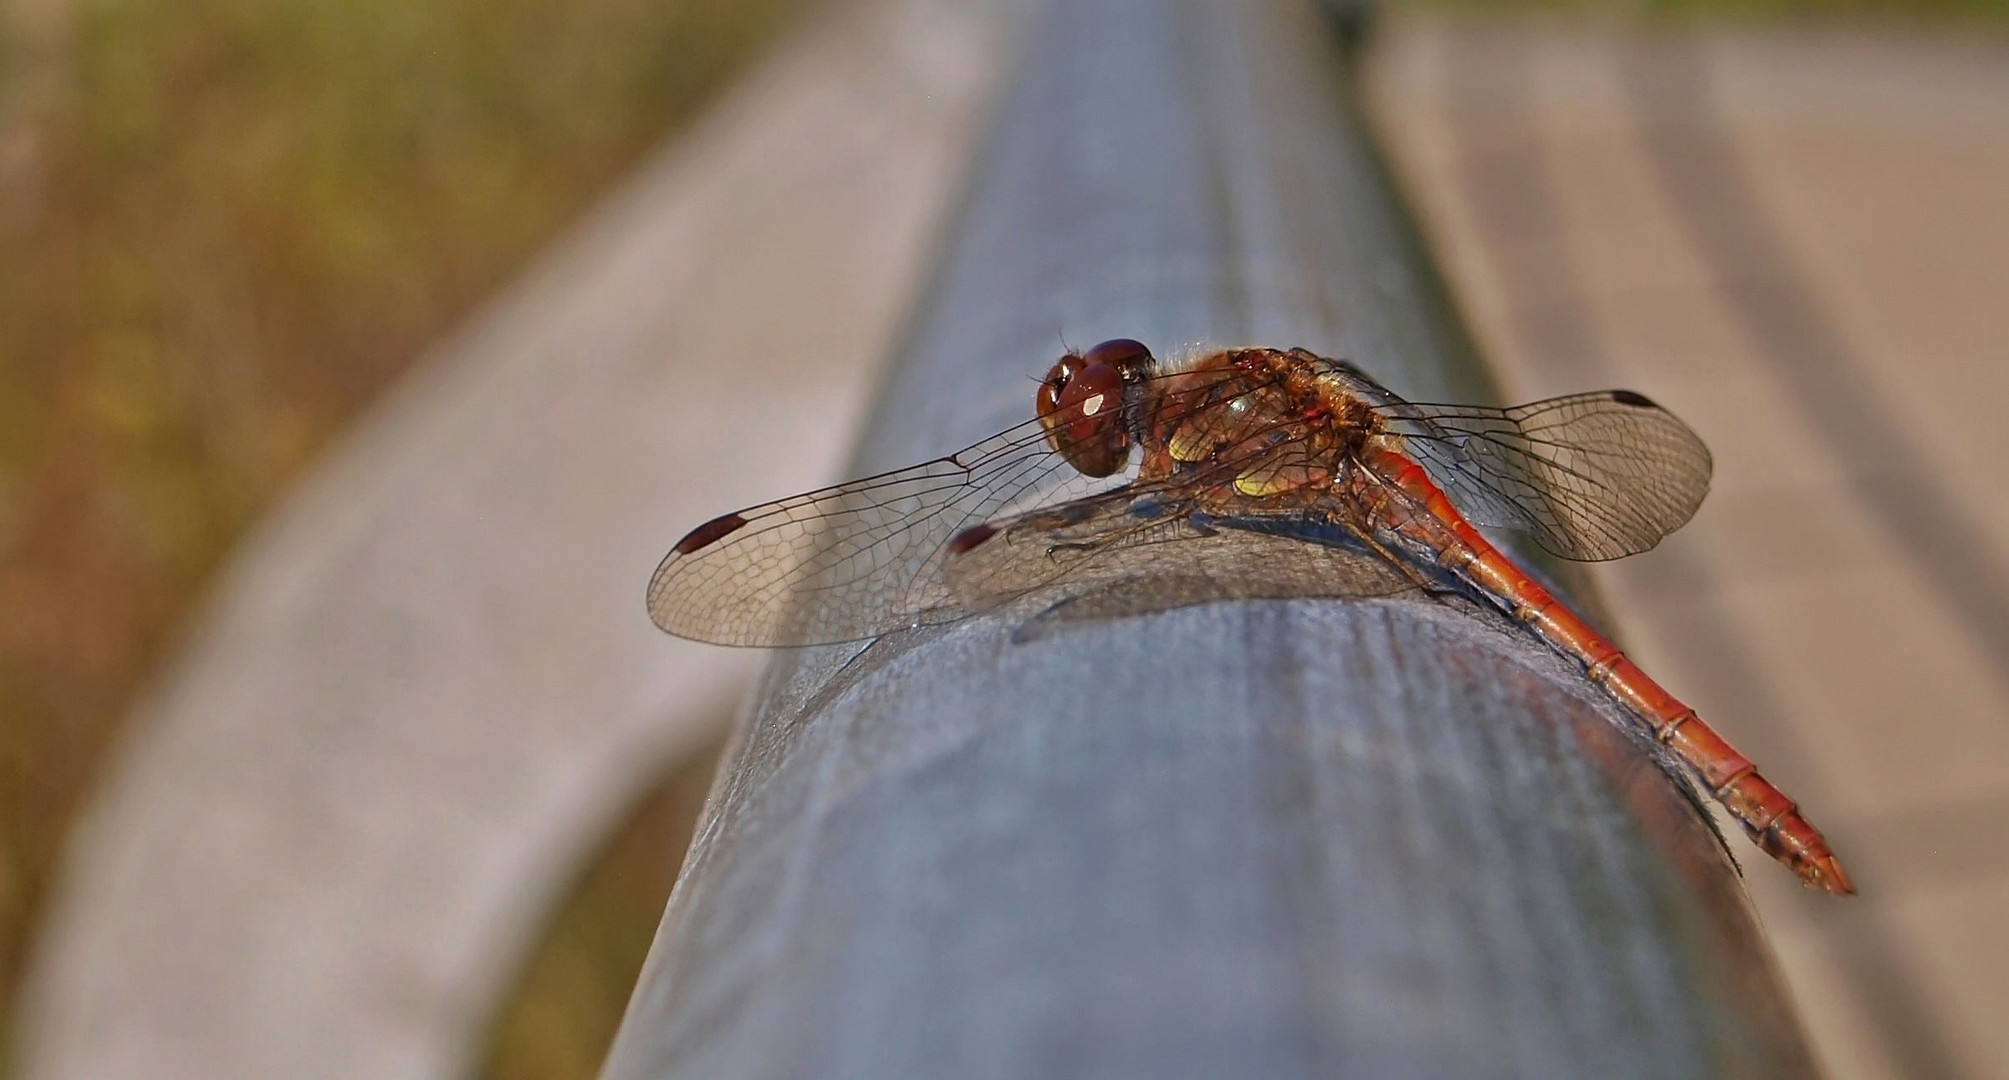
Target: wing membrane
847	562
868	557
1590	476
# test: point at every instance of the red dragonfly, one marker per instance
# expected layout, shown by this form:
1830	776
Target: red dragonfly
1345	489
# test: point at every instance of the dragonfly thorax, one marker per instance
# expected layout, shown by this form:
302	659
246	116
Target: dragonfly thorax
1253	424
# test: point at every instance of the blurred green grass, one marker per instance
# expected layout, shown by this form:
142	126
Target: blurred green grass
224	226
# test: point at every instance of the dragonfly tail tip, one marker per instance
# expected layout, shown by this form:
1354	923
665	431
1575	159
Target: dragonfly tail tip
1826	874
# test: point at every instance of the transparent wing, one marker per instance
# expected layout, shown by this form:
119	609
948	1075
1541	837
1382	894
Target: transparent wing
851	561
1589	476
870	556
1233	562
1141	548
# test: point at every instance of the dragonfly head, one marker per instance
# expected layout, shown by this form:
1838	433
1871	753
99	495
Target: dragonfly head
1081	404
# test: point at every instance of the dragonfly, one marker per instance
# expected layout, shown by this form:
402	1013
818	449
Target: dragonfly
1158	478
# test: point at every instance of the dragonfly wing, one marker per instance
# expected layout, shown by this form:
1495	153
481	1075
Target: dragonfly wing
1085	542
1139	550
852	561
870	556
1590	476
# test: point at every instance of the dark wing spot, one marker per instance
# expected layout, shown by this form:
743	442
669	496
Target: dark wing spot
1633	398
709	533
967	540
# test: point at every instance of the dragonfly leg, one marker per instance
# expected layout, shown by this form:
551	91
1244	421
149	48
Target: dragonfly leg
1428	582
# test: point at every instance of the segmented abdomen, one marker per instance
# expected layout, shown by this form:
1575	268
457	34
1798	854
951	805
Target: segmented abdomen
1765	813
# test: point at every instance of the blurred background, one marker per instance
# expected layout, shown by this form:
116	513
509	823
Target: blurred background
332	335
225	228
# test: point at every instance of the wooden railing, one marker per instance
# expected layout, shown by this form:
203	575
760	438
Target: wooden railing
1258	838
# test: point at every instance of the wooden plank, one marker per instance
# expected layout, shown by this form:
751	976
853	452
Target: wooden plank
1260	838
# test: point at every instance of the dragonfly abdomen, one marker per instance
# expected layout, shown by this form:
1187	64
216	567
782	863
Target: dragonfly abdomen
1771	819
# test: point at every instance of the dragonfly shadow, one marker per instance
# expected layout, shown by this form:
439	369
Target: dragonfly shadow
1232	559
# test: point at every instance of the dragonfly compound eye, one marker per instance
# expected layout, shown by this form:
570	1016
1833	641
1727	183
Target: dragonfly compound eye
1081	408
1125	355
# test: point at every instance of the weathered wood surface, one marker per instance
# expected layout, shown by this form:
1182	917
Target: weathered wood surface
1261	838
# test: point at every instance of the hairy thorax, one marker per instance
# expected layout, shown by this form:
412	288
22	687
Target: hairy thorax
1262	429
